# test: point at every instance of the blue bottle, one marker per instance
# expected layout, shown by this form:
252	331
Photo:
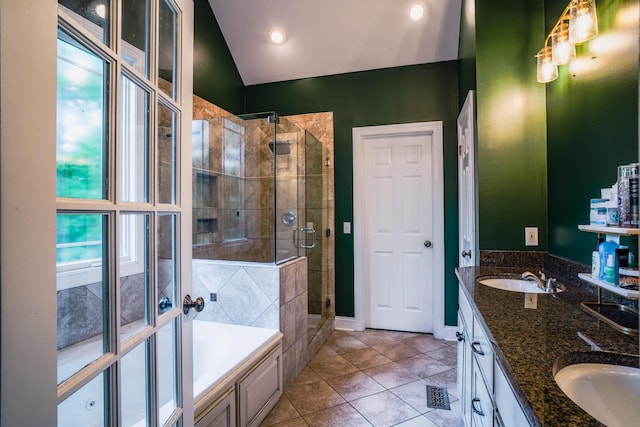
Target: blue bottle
605	249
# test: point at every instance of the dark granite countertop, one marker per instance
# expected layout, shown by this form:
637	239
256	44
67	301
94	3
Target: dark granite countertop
527	342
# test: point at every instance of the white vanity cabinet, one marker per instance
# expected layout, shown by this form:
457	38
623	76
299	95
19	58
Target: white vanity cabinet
475	367
486	396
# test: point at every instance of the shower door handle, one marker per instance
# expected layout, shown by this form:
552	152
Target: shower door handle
307	230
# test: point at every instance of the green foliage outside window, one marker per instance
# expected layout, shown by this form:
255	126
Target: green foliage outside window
80	148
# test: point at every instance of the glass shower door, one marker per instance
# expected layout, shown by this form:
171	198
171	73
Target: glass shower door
315	202
288	151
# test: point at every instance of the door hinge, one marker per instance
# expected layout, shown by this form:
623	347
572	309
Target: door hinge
459	150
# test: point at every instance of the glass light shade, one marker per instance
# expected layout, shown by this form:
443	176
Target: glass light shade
583	21
547	70
561	50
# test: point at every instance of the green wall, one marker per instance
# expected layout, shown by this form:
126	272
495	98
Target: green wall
467	50
215	75
512	146
388	96
592	125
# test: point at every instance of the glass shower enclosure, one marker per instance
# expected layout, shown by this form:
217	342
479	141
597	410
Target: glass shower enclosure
248	189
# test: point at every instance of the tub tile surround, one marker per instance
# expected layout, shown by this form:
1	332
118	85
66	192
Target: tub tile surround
246	296
529	342
293	318
246	293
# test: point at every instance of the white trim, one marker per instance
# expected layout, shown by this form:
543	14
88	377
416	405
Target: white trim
345	324
27	212
360	135
450	333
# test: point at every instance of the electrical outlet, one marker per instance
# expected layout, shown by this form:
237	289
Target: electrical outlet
530	301
531	236
213	297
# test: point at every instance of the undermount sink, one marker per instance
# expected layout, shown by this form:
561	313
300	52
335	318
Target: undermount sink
514	285
608	392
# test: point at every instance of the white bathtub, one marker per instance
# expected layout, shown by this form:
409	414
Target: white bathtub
217	350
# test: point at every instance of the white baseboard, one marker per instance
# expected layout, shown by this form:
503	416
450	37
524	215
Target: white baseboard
345	323
450	333
349	324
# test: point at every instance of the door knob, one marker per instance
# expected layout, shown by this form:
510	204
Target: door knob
188	304
427	243
466	253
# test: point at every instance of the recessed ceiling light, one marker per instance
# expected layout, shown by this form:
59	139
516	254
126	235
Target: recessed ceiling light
101	10
277	35
416	12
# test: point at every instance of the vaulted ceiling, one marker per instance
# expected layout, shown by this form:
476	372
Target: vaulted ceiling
335	36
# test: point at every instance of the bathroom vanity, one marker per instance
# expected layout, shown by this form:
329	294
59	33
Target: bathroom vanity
508	343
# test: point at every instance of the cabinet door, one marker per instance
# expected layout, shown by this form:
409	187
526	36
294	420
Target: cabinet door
464	370
259	391
220	414
507	405
481	403
483	352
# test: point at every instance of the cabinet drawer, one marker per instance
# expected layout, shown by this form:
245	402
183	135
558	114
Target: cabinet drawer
482	352
464	308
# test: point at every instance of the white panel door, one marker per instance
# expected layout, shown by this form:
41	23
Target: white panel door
468	244
400	262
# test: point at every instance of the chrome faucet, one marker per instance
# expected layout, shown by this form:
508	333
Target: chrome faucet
527	275
547	285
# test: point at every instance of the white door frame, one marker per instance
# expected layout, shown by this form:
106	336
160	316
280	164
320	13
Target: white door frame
360	137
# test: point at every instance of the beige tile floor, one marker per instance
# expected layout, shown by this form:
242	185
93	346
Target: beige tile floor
372	378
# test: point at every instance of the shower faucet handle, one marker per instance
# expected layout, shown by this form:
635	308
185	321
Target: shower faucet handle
188	304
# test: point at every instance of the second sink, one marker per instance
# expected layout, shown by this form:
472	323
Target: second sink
607	391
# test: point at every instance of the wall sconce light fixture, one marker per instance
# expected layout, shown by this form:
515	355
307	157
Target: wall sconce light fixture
577	24
547	70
